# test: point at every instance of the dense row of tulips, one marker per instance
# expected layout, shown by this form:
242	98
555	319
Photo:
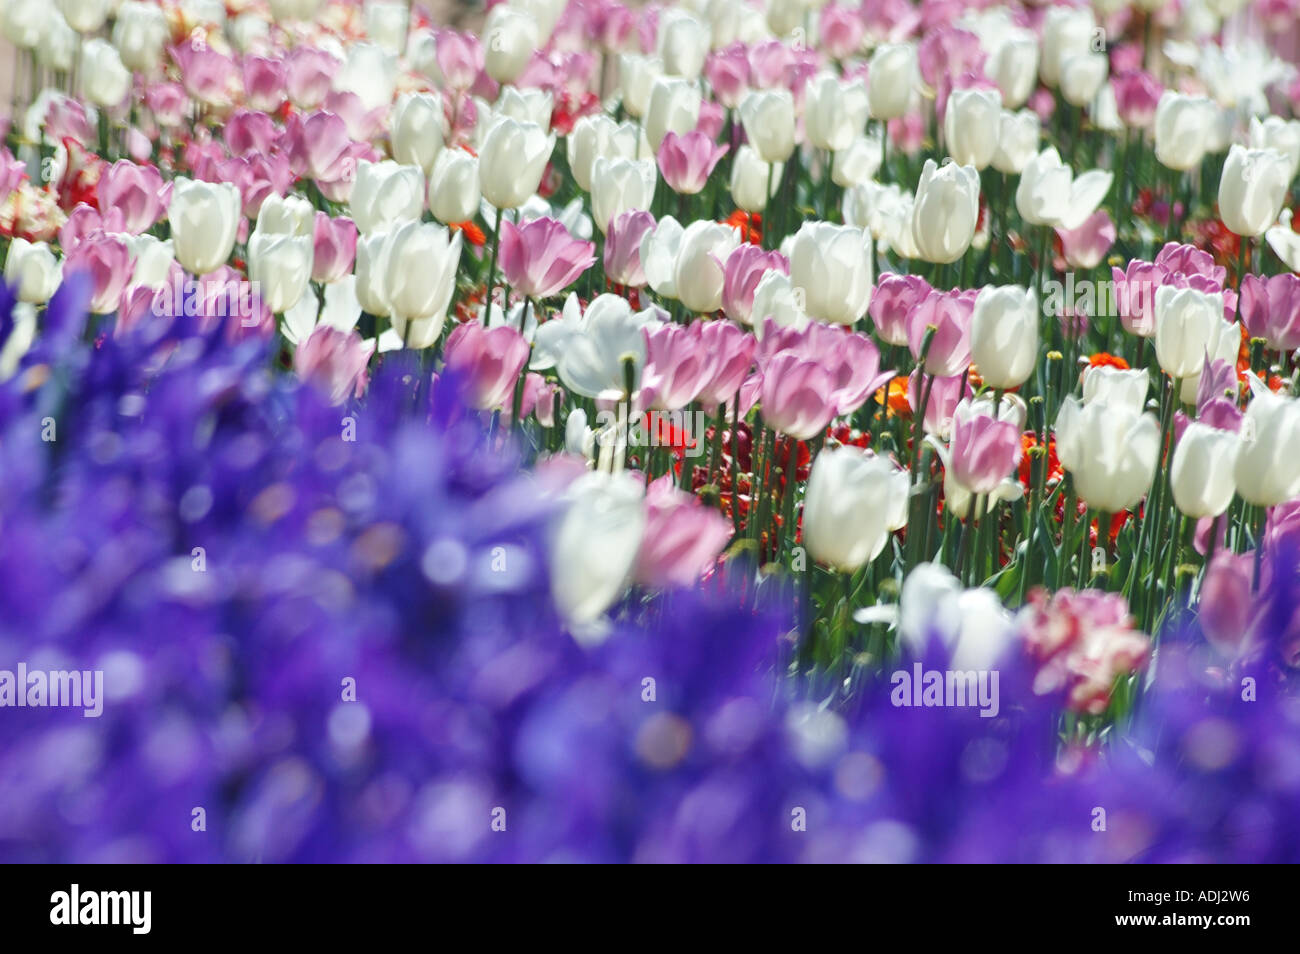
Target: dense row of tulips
760	350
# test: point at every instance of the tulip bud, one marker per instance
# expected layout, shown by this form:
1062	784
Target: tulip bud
512	160
983	451
510	39
595	136
1110	451
1201	472
204	219
698	271
1014	68
334	247
1117	387
972	124
619	186
595	545
453	192
1018	135
370	288
33	269
892	78
105	81
370	73
753	181
416	130
1082	76
1252	189
832	265
291	215
1050	194
419	262
1280	134
1226	602
835	111
855	500
1188	324
674	106
682	539
540	258
946	211
1067	32
140	34
683	42
385	195
637	75
1267	470
1182	129
687	161
488	362
1004	335
85	16
280	264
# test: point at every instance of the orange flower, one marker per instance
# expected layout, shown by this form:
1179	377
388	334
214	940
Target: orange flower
473	234
1102	359
897	396
750	225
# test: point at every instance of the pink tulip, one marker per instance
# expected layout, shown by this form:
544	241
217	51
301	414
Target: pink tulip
540	257
12	173
1225	601
362	124
264	83
1087	245
608	24
1270	309
1187	261
65	118
1135	296
682	537
248	131
854	362
892	302
257	177
318	144
205	72
488	361
686	161
86	220
984	451
107	261
309	75
796	396
1136	96
334	361
460	58
137	191
768	61
945	395
949	313
734	350
677	367
727	71
334	247
167	102
623	247
713	116
741	273
842	30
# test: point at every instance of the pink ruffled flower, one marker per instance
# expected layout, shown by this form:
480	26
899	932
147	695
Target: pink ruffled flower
488	362
540	257
682	537
335	361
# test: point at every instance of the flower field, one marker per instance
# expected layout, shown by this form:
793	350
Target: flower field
716	431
